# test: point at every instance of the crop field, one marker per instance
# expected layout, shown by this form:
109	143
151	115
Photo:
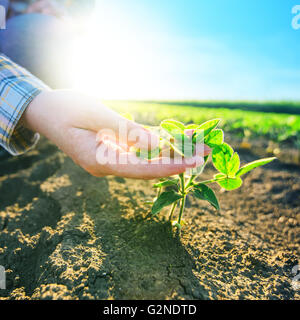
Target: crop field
68	235
276	126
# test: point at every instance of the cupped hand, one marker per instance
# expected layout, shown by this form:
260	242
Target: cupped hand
97	138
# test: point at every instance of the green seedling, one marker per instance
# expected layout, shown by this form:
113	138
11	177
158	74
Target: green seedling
182	142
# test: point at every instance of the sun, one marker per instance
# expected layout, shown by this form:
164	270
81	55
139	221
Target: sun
110	62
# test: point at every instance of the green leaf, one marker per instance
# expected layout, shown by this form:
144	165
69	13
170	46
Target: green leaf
165	199
182	144
221	156
215	138
254	164
233	165
173	127
127	116
203	192
166	183
185	145
192	126
230	183
174	147
204	129
174	122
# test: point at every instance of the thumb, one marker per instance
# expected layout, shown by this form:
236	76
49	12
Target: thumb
124	131
93	115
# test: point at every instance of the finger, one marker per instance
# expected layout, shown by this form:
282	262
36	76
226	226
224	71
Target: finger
128	165
108	138
115	145
81	146
202	150
149	170
131	133
98	117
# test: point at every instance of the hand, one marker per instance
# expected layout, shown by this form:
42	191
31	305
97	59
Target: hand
72	121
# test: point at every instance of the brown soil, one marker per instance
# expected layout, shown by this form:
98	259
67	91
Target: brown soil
67	235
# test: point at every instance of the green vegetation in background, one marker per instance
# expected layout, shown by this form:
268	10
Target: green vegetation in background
270	106
274	126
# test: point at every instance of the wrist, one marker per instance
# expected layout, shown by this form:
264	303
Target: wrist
35	113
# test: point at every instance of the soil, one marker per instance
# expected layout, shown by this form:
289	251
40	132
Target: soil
67	235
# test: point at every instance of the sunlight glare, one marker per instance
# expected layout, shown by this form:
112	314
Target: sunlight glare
109	61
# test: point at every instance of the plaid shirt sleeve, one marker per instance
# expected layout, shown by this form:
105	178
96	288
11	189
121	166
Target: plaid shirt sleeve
17	89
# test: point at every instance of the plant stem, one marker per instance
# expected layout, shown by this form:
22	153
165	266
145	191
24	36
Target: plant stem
208	181
158	192
192	178
182	183
212	180
183	199
172	210
181	209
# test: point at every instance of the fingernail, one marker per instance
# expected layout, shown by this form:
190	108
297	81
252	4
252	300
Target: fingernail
207	149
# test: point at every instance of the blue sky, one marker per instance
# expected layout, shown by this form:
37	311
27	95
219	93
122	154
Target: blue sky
201	49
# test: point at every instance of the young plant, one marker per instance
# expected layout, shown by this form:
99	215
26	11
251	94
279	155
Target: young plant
183	141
